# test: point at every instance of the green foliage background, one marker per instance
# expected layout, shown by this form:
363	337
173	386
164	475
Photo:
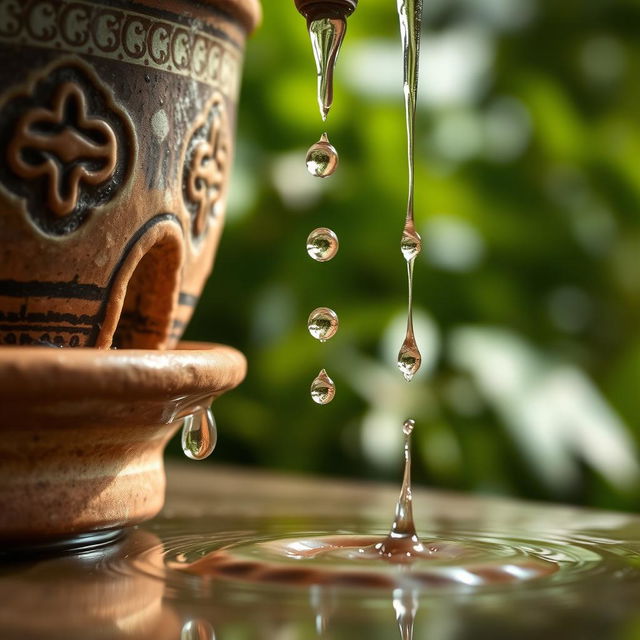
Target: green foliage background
528	185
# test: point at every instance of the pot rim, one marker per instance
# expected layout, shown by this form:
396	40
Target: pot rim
249	12
193	369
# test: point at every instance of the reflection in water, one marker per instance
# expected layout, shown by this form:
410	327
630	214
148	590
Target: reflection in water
405	604
131	590
400	559
197	629
80	596
322	605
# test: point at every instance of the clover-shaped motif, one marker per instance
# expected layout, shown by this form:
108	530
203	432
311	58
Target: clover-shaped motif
64	145
206	174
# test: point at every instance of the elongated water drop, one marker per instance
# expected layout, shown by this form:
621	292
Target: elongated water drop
411	242
322	158
323	323
409	358
322	388
326	36
410	15
199	434
322	244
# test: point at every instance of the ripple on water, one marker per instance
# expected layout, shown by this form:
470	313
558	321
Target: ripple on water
453	560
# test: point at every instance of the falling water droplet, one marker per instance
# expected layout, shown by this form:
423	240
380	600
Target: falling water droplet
322	244
199	434
410	15
408	426
322	158
411	242
323	323
322	388
409	358
197	630
326	36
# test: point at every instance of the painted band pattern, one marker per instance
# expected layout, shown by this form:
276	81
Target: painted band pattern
117	34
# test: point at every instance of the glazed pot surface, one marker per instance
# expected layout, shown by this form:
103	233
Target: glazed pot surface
82	432
116	134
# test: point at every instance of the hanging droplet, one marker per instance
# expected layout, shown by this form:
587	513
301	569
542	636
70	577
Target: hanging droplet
322	388
411	242
322	158
409	358
199	434
326	36
323	323
322	244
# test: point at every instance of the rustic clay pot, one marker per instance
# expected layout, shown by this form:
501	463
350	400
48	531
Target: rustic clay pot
116	138
82	432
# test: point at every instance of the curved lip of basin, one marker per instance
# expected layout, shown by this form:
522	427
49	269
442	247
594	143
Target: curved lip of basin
195	368
248	12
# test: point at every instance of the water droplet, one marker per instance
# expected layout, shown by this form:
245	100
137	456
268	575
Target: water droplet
323	323
411	242
322	158
409	359
322	244
197	630
322	388
199	434
408	426
326	36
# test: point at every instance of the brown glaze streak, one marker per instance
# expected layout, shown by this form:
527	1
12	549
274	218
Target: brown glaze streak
75	144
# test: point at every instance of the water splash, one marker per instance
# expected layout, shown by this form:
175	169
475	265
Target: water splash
402	541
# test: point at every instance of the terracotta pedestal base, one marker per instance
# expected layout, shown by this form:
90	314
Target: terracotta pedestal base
82	432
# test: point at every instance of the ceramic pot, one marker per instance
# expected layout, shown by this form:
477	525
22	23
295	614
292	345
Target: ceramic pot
116	137
82	432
